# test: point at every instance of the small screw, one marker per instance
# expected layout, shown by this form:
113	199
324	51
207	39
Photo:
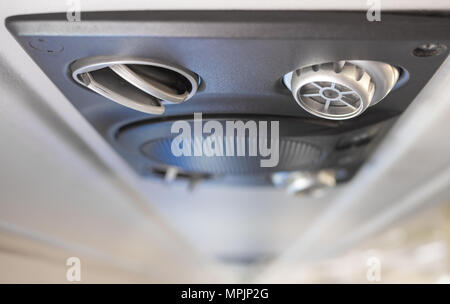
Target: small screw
429	49
45	46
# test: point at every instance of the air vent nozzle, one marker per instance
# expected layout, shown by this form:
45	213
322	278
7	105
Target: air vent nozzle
343	89
140	84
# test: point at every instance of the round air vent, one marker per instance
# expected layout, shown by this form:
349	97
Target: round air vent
140	84
341	90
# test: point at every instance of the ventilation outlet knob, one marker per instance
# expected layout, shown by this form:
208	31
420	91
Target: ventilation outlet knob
341	90
137	83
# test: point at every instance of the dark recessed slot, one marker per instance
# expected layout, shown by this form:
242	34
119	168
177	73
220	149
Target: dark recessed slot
167	77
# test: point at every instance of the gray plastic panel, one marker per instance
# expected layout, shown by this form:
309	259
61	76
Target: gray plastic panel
240	56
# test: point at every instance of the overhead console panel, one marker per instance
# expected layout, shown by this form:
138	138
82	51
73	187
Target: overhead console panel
313	92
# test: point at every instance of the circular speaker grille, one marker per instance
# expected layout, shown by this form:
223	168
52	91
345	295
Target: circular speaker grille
292	154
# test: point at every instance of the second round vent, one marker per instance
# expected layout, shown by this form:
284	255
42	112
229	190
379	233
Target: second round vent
140	84
343	89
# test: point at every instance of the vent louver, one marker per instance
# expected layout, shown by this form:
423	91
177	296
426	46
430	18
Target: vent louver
140	84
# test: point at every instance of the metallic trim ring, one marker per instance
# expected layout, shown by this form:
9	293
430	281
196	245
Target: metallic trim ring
142	93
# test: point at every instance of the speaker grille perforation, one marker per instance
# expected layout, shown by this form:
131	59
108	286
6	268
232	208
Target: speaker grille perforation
294	154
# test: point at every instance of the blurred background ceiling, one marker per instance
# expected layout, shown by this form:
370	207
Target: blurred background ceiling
64	192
